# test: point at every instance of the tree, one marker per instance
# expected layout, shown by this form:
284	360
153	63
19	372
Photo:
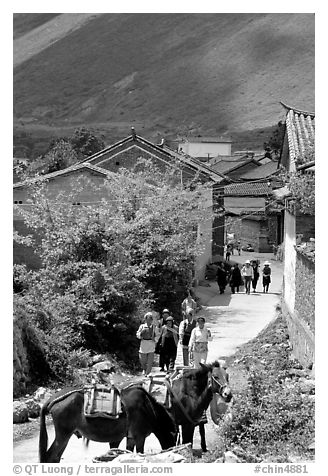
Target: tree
274	144
104	264
64	152
85	143
60	156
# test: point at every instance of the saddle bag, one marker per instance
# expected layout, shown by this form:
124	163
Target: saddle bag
102	401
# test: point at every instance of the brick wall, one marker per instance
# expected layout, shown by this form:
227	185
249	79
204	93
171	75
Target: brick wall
24	254
247	231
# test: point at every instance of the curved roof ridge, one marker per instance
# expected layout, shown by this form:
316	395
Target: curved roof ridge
297	111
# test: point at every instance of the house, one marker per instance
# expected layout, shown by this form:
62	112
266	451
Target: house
299	232
264	171
204	148
125	153
234	167
252	215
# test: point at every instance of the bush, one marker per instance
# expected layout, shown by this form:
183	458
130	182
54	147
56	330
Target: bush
271	418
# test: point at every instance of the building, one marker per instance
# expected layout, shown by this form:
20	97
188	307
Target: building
252	215
297	155
125	153
205	148
234	167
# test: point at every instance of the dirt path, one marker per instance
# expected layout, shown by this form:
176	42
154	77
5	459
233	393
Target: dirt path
233	320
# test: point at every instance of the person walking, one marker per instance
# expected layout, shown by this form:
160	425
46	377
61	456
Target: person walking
185	329
188	302
228	253
168	342
239	247
198	344
248	275
221	277
165	315
148	335
266	272
235	279
256	274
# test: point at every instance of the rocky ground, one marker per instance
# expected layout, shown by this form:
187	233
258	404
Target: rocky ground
268	354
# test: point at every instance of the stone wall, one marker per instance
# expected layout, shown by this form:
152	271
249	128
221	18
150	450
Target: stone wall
301	338
301	321
305	290
305	226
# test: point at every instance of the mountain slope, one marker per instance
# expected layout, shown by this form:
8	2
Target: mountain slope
206	72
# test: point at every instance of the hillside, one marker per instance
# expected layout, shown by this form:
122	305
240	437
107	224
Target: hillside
163	73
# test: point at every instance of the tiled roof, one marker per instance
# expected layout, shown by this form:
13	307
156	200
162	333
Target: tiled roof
242	205
184	158
217	140
196	164
263	171
247	189
300	127
67	171
225	166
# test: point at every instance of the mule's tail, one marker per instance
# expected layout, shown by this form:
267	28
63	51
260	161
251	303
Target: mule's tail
43	437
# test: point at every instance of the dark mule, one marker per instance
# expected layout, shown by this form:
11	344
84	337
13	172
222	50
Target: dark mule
142	415
192	394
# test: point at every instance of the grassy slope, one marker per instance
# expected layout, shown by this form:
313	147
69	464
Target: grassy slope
207	73
25	22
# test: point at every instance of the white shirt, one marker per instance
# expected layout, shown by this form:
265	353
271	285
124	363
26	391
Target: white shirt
148	346
200	335
247	271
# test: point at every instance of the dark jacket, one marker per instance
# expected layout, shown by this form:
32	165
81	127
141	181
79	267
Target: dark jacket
221	276
235	278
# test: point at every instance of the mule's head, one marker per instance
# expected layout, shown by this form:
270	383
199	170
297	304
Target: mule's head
219	380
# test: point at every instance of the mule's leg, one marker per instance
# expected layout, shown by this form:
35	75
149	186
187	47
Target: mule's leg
187	433
130	443
140	444
115	444
58	447
202	437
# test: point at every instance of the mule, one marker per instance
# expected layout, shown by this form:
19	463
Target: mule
141	416
191	395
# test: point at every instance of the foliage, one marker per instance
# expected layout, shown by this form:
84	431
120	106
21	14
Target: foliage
66	151
104	264
85	143
60	156
272	415
274	144
302	188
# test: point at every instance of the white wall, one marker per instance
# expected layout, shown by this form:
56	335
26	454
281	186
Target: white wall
203	149
290	261
205	240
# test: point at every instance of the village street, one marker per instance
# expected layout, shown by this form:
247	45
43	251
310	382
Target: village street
233	320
